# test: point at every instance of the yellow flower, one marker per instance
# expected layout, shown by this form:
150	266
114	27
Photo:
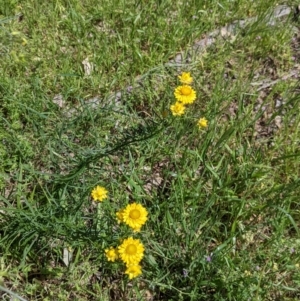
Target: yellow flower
119	215
185	94
111	254
177	109
135	216
133	271
185	78
99	193
131	251
203	123
247	273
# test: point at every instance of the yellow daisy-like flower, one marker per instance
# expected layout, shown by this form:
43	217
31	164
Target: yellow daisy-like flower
185	94
119	215
131	251
111	254
99	193
203	123
133	271
135	216
177	109
185	78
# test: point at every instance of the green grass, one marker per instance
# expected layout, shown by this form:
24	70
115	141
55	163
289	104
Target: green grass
223	202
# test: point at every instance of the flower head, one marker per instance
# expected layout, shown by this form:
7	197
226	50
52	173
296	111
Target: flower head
131	251
99	193
185	94
177	109
247	273
185	273
111	254
202	123
133	271
119	215
185	78
135	216
208	258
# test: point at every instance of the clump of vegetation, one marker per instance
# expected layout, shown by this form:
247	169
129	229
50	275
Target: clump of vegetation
127	176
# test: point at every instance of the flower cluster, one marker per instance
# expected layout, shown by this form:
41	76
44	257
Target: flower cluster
131	250
185	95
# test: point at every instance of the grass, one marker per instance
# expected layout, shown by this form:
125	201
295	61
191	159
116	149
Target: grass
223	201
